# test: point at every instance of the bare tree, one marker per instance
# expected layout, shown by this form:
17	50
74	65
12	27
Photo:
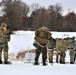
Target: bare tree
56	18
40	17
70	22
15	10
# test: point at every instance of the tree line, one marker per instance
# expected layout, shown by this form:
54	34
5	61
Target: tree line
20	16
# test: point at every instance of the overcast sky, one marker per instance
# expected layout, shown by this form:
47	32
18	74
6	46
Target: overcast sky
66	4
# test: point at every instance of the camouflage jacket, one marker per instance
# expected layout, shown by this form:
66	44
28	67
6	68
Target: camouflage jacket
4	37
61	45
72	45
51	43
75	45
42	35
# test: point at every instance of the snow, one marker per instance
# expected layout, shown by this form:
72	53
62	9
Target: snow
23	40
20	68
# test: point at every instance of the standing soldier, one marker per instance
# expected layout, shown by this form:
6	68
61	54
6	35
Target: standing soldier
50	48
42	35
72	49
61	46
4	39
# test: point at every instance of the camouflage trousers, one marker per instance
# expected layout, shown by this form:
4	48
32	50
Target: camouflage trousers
44	53
50	54
72	56
5	51
60	57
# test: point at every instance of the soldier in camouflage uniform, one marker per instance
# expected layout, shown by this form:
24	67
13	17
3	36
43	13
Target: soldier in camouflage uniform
42	35
72	49
50	48
4	39
61	46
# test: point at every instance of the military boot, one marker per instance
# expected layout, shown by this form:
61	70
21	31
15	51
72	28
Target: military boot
50	61
7	62
1	61
62	62
36	63
56	61
71	62
44	64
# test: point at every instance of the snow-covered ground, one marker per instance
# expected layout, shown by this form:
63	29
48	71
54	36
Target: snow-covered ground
21	68
23	40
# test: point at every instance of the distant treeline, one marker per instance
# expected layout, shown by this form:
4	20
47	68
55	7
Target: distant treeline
20	16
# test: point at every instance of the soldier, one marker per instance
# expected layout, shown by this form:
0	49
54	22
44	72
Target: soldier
4	39
42	35
72	49
50	48
61	46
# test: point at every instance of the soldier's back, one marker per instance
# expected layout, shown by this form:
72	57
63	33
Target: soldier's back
61	45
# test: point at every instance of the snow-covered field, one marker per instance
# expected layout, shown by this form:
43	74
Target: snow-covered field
21	68
23	40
